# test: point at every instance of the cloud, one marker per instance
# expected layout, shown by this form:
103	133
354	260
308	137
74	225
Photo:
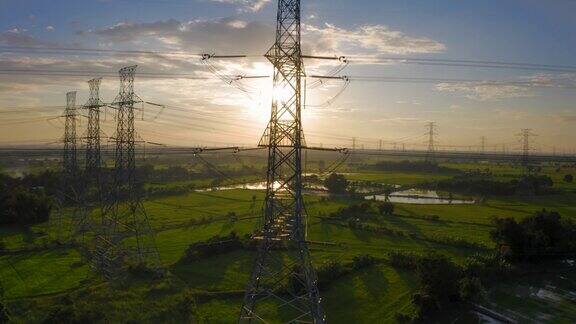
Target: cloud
246	5
227	34
20	37
238	36
369	39
485	91
497	90
50	28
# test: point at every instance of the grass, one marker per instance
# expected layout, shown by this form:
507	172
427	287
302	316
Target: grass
396	177
40	273
372	295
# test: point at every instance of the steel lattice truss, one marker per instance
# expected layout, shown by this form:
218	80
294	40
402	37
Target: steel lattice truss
93	155
70	157
92	170
283	281
125	234
68	187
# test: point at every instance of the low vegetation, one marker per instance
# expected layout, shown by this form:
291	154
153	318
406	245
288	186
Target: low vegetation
544	235
22	205
486	186
412	166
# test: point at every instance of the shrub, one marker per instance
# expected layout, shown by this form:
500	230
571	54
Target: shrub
363	261
470	287
214	246
438	277
336	183
543	235
487	267
329	272
20	206
568	178
386	208
403	260
356	211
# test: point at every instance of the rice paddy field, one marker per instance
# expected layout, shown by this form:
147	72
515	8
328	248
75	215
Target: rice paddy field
36	273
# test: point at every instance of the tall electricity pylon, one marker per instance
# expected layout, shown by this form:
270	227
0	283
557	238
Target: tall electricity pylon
430	154
68	190
283	276
526	135
125	235
92	170
483	144
93	153
70	158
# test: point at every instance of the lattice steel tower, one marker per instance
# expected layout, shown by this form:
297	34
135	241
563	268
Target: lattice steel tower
126	235
70	158
68	190
93	153
430	154
525	135
92	168
283	277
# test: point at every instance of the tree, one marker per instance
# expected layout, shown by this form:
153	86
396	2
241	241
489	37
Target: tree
336	183
535	237
4	317
387	190
439	283
24	207
438	277
386	208
568	178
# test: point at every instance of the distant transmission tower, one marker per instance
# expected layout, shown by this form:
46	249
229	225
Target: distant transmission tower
430	154
70	158
92	170
526	135
122	222
283	275
483	144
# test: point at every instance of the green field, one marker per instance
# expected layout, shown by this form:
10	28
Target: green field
36	273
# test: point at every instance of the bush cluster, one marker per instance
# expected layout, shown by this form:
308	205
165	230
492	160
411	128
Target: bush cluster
529	184
544	235
213	246
414	166
21	206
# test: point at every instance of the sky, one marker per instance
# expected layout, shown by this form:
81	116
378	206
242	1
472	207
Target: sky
388	100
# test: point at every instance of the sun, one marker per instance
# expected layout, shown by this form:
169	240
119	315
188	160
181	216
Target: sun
282	94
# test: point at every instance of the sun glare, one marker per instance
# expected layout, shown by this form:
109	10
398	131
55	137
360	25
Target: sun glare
281	94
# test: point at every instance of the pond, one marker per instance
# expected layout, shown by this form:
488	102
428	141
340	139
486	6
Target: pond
423	197
256	186
249	186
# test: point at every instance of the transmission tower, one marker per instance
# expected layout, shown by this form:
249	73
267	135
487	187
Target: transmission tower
93	154
526	135
67	191
70	158
124	216
430	154
283	274
92	175
483	144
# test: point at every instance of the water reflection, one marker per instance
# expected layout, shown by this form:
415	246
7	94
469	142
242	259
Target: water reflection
423	197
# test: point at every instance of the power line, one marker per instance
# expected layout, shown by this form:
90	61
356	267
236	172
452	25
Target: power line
283	226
